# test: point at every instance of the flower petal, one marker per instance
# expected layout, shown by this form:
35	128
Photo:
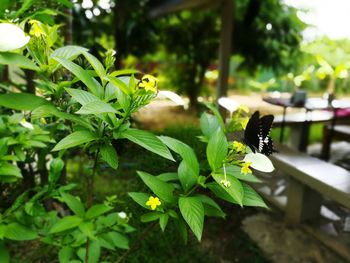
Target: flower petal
12	37
172	96
228	104
259	162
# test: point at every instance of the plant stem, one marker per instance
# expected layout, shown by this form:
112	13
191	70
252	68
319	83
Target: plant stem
196	186
90	181
141	237
87	250
90	197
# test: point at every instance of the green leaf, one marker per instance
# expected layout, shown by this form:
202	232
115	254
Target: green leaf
186	176
140	198
96	64
74	118
75	139
119	84
96	107
83	75
68	4
17	203
163	221
124	72
17	60
192	211
217	149
151	216
235	171
211	208
166	177
50	110
87	228
109	155
81	96
94	252
252	198
69	52
217	115
160	188
15	231
97	210
74	204
235	189
9	170
24	7
119	240
44	111
189	168
209	124
112	92
185	151
22	101
56	167
3	146
67	222
4	254
65	254
148	141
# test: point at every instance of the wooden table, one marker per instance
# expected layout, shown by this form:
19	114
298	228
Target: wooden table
316	110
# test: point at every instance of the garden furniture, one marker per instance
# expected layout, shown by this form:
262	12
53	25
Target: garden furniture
330	132
316	110
309	180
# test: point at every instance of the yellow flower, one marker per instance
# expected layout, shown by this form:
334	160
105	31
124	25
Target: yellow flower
153	202
149	83
243	108
36	29
244	122
240	147
245	168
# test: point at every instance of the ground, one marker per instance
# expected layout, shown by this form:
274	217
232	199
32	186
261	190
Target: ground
286	244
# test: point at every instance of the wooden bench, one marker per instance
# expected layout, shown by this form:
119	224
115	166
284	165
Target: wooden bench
339	132
310	178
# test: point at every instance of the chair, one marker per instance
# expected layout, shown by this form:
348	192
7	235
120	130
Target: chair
339	131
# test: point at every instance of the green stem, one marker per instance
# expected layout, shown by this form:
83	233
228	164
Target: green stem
196	186
90	197
90	181
87	250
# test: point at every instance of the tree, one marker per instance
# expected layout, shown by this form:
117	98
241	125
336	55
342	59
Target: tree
267	34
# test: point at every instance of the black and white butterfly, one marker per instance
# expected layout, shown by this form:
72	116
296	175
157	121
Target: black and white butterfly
257	134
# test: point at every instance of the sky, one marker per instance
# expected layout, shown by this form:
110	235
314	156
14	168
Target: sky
329	17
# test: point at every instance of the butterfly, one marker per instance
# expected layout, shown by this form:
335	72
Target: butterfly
257	134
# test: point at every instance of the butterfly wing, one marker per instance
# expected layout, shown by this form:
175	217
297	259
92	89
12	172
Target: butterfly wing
265	141
251	137
265	124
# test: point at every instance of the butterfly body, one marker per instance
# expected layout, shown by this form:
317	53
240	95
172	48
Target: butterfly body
257	134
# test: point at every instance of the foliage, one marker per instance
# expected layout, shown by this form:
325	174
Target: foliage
81	106
268	34
188	40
